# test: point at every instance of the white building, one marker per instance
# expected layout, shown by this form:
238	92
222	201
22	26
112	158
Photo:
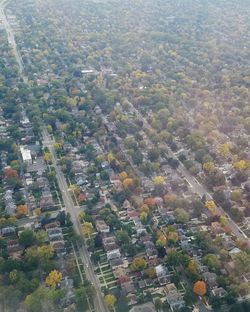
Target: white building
26	155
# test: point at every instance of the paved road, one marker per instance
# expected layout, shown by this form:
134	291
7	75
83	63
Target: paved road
69	204
194	184
74	211
12	42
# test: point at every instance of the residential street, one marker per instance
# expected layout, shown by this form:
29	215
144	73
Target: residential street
69	204
74	211
195	185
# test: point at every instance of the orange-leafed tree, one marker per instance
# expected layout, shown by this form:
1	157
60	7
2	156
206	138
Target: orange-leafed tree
169	198
22	210
150	202
11	173
200	288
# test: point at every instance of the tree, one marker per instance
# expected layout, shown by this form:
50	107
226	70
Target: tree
181	215
39	301
144	217
54	278
161	241
22	210
212	261
11	173
128	182
242	263
37	211
169	198
45	252
158	304
200	288
151	272
122	237
241	165
210	205
26	237
110	301
123	175
87	229
14	276
173	237
192	266
47	157
223	221
209	167
159	180
237	196
138	264
224	149
41	237
81	298
153	154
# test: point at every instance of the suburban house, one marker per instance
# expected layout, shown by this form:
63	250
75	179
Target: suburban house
173	296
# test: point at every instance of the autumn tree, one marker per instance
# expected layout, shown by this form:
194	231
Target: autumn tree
224	149
45	252
192	266
169	198
159	180
41	237
87	229
200	288
172	237
144	217
241	165
37	212
11	173
209	167
151	272
210	205
223	221
123	175
128	182
150	202
47	157
22	210
110	301
54	278
139	264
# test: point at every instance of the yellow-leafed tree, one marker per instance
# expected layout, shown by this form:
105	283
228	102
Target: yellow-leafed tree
47	157
209	167
87	229
53	278
110	301
139	264
159	180
123	175
210	205
241	165
45	252
128	182
192	266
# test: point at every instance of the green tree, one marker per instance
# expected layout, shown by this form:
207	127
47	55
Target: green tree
26	237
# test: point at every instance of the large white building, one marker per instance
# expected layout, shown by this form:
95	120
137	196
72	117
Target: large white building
26	155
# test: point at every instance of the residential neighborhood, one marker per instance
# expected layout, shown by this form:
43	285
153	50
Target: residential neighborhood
125	164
